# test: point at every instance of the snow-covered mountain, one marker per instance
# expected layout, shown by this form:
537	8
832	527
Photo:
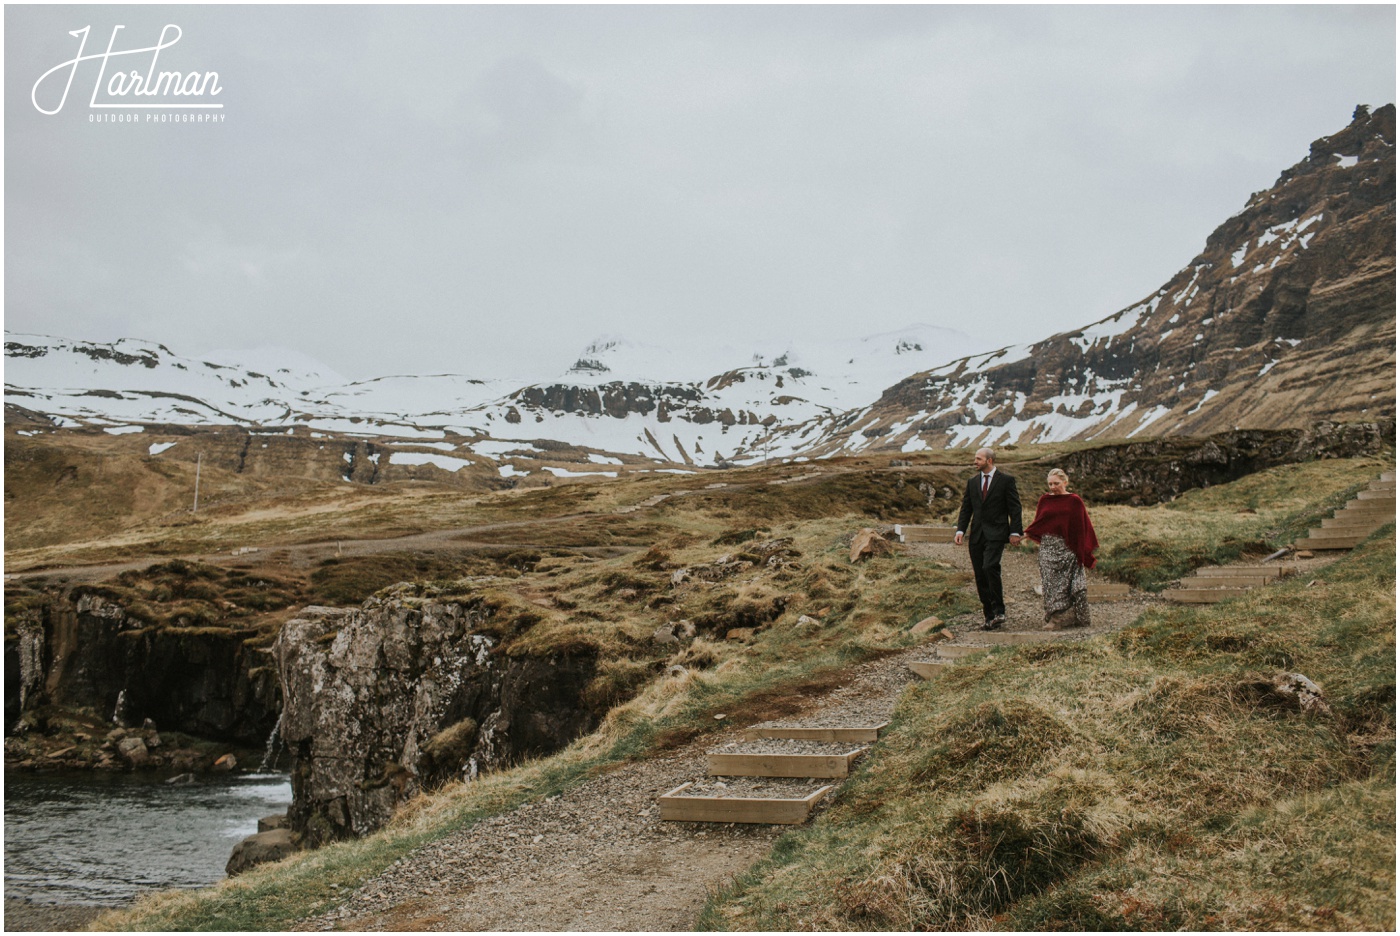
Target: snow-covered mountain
619	397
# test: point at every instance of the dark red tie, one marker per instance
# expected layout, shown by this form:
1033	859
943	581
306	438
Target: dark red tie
986	480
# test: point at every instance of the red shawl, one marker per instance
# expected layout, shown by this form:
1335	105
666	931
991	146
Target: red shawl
1063	515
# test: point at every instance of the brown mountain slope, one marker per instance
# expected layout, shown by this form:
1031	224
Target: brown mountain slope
1286	317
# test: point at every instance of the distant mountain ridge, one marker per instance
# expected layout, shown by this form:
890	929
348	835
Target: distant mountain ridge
1286	317
619	397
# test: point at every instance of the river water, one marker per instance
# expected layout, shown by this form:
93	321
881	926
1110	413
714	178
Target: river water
99	838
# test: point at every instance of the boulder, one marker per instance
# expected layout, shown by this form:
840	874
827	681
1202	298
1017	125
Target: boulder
183	779
133	751
807	621
868	543
225	764
273	822
273	845
664	636
926	625
739	633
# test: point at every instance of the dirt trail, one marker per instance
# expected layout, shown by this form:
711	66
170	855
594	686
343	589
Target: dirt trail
597	857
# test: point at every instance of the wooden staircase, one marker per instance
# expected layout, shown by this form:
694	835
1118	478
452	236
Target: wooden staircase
678	806
1211	584
1365	513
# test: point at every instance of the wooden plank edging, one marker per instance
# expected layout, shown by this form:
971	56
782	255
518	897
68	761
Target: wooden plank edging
861	734
765	810
824	766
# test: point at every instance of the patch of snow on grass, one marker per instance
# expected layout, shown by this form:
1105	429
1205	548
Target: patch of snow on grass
158	447
445	462
1204	400
495	448
566	473
510	471
123	430
1345	162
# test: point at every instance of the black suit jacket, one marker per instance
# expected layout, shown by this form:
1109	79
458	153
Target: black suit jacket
996	519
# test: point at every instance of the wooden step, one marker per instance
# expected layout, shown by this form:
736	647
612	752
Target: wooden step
925	534
1203	595
1229	581
781	765
1378	497
1015	638
767	810
1100	592
1387	476
1381	486
960	652
1368	506
1352	529
928	669
1368	524
1329	542
1232	570
860	735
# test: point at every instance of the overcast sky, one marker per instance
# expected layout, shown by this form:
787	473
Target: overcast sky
485	190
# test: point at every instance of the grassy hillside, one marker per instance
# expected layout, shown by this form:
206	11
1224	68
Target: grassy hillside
1154	780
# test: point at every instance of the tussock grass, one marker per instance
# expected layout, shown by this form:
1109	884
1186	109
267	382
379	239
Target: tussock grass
1150	780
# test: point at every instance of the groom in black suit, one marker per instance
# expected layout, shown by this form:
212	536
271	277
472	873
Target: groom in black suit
990	517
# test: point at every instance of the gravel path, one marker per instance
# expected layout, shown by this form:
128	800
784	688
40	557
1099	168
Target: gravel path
1025	610
597	857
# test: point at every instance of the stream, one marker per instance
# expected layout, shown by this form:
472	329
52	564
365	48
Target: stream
100	838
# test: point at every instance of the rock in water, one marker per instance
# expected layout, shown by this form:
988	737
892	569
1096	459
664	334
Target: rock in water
133	750
259	849
273	822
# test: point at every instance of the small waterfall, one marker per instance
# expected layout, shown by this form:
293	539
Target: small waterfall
119	713
269	760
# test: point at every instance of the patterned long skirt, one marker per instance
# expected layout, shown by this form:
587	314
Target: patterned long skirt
1063	582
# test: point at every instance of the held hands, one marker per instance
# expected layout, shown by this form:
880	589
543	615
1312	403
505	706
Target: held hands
1017	540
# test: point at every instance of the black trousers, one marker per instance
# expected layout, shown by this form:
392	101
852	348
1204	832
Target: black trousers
986	566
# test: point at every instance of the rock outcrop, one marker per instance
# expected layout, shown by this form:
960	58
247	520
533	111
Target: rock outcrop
88	652
402	694
1157	470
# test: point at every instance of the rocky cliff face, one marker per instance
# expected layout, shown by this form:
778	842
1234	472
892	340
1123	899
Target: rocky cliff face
1286	317
404	693
1157	470
88	652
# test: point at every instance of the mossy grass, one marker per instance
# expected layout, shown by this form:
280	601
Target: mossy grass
1152	779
